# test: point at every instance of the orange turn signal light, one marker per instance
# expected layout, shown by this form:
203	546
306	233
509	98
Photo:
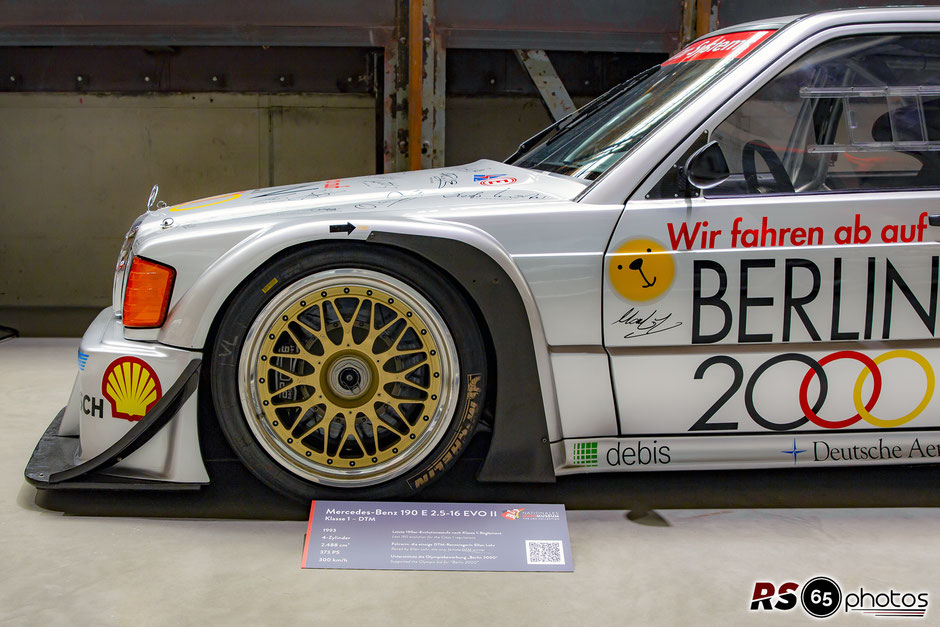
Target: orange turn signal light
147	295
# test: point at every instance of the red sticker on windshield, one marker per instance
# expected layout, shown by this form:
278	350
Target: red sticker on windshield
730	46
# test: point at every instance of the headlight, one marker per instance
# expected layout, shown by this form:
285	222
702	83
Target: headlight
123	263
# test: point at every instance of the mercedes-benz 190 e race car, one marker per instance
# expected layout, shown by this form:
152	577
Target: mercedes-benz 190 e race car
728	261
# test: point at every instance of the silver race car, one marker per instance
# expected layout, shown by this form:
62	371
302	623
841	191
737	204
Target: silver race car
728	261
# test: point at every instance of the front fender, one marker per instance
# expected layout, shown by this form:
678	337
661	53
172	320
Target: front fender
526	411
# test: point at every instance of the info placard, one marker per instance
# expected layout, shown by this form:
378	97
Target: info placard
437	536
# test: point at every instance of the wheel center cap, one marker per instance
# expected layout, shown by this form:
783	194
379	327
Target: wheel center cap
349	377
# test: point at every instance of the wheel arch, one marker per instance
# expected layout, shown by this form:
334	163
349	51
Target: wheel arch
525	412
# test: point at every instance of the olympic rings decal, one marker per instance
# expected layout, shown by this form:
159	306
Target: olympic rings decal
810	413
870	366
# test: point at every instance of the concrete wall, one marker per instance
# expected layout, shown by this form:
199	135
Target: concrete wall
75	170
490	127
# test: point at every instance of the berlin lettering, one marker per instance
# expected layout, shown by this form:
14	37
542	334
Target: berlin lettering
802	281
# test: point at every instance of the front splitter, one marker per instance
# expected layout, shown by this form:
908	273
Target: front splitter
53	463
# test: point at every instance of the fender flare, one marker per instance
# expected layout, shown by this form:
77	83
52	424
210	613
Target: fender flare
519	449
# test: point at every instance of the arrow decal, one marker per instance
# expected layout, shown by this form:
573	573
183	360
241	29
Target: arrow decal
342	228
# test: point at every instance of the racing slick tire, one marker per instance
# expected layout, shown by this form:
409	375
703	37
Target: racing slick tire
348	371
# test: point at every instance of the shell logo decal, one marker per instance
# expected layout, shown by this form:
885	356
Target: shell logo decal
132	388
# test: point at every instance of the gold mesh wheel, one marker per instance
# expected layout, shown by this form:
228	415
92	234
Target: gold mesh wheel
349	377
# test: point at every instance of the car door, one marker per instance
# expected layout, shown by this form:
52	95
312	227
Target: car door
787	315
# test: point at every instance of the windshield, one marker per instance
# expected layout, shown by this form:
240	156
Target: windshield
591	140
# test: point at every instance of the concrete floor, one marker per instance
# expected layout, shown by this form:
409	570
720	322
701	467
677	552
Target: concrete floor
695	562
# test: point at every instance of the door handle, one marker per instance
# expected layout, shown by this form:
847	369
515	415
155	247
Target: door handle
934	219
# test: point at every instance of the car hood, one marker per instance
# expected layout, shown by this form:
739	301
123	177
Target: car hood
484	182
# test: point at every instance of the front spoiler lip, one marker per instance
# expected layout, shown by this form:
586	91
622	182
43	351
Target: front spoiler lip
52	464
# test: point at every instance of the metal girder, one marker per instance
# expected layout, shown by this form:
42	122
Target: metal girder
135	69
552	90
433	90
687	31
698	18
202	23
586	25
176	35
395	105
499	73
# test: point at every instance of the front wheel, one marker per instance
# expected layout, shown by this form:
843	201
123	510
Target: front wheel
359	373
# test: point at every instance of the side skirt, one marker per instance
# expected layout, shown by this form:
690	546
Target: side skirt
795	449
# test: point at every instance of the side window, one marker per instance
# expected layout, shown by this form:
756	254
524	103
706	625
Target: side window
856	114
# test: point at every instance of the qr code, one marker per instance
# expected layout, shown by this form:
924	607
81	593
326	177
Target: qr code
544	552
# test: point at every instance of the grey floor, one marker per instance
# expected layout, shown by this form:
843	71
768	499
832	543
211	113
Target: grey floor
693	562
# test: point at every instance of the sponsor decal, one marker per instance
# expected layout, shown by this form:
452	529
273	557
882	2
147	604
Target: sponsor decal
822	597
794	451
741	300
620	454
473	394
703	236
522	513
270	284
131	387
82	359
824	451
333	184
729	46
512	514
641	269
206	202
864	408
93	406
493	179
639	454
464	431
623	454
585	454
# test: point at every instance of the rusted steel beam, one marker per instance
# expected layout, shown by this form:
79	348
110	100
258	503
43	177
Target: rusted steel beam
582	25
433	89
552	90
687	30
395	106
415	81
703	17
204	23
